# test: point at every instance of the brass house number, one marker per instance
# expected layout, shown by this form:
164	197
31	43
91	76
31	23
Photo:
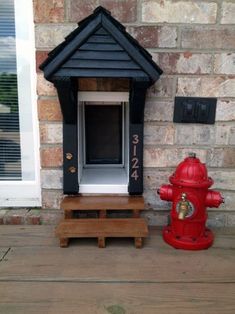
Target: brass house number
135	160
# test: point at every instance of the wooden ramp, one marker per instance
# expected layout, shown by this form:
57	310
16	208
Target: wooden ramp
102	227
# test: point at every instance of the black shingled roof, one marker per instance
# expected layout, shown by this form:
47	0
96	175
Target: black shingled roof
96	31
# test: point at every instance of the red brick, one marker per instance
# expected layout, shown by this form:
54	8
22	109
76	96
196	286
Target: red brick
208	37
165	87
51	217
51	157
47	36
159	110
187	62
161	11
168	156
228	13
44	87
15	217
125	10
229	160
213	86
33	217
147	36
225	63
40	57
225	110
50	133
49	109
48	11
51	199
3	212
80	9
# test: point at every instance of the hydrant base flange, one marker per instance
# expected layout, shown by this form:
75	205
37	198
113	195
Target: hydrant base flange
188	243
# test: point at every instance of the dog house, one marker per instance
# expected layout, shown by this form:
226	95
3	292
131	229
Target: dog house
101	74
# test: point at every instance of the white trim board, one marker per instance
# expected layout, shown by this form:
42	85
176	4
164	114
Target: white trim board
106	180
101	180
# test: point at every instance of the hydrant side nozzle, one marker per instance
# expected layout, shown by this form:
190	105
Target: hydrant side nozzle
213	199
165	192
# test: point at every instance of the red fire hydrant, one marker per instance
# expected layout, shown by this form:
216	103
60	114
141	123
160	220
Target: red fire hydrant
190	196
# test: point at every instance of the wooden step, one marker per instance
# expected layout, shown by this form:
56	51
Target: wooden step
102	228
102	202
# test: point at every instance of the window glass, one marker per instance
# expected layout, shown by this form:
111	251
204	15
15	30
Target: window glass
10	151
19	134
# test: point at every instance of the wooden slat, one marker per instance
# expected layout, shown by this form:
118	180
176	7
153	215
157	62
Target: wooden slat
101	39
136	54
2	253
116	298
100	64
18	235
158	279
101	47
89	228
101	73
71	47
101	31
158	263
100	55
102	202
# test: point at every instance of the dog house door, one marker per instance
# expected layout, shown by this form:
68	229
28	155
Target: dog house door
103	142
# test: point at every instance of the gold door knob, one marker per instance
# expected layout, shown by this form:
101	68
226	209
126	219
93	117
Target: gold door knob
69	156
72	169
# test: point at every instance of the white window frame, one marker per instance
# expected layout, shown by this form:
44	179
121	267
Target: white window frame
26	192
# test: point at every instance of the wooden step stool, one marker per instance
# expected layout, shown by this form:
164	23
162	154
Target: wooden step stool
102	227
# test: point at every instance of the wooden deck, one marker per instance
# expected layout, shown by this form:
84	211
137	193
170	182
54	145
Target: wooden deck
38	277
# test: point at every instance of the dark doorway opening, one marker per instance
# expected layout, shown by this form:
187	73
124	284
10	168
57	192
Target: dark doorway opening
103	134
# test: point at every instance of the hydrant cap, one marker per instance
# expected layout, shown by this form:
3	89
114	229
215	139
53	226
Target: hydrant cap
191	173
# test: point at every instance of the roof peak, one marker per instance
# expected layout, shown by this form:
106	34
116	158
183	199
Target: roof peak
120	39
102	10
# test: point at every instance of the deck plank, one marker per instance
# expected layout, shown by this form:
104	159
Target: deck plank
106	298
19	235
44	235
36	276
119	263
3	252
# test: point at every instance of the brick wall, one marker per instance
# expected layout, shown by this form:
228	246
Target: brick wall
193	42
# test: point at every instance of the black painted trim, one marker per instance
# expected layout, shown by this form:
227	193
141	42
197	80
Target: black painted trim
137	103
67	92
67	89
70	166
